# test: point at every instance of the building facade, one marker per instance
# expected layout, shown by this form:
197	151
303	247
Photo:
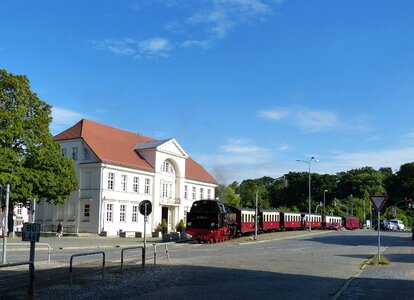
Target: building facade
117	170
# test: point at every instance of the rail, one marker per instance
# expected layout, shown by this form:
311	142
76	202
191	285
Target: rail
37	244
132	248
155	252
30	290
86	254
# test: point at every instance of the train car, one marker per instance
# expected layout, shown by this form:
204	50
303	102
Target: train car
210	221
312	221
290	220
350	223
245	220
269	220
332	222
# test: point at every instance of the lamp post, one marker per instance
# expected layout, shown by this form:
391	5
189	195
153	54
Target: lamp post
313	158
324	204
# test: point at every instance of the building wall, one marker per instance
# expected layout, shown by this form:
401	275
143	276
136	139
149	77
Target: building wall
87	210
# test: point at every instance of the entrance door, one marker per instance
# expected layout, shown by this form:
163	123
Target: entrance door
164	214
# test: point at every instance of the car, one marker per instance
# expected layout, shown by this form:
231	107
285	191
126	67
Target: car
398	224
335	226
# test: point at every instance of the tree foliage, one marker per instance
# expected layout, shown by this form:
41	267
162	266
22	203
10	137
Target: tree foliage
345	193
30	161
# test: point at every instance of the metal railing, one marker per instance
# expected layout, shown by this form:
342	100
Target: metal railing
86	254
132	248
37	244
30	290
155	252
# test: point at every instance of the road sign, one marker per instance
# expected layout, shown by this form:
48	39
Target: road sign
378	201
146	210
31	232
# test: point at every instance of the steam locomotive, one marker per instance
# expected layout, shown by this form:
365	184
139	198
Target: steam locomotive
211	221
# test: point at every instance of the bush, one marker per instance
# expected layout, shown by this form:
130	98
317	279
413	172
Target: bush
164	226
180	226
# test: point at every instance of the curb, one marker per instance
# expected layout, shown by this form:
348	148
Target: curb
348	282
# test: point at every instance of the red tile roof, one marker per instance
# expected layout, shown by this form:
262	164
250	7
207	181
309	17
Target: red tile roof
116	146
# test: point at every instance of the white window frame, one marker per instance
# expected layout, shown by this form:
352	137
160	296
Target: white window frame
186	192
111	181
134	214
122	213
74	153
147	186
109	212
208	193
86	153
201	193
124	180
135	185
193	193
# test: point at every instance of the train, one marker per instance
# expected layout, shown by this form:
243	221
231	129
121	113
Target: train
211	221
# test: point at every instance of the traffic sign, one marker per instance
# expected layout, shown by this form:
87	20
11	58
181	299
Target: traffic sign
378	201
145	211
31	232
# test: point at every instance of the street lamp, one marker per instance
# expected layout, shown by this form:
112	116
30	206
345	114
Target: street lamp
324	205
313	158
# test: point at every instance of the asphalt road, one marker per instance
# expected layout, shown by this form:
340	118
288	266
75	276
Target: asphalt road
295	265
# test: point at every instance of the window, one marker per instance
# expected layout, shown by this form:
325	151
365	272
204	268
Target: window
186	192
167	167
111	179
19	209
124	179
74	153
201	193
193	194
147	186
122	212
209	194
109	212
87	154
86	210
63	151
135	213
135	185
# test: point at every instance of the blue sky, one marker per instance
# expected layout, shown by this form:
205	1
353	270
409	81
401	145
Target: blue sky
247	87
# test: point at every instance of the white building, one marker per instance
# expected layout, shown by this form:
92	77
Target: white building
117	170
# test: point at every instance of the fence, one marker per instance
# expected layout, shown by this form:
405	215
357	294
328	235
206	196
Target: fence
37	244
155	252
86	254
132	248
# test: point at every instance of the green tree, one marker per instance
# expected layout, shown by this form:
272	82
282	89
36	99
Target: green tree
231	198
30	161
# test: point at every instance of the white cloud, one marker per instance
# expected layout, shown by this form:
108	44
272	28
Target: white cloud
64	118
124	46
274	114
223	15
312	120
154	46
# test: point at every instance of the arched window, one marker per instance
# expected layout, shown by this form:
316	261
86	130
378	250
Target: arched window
167	167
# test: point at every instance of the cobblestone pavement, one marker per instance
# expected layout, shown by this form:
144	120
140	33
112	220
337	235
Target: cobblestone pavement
393	281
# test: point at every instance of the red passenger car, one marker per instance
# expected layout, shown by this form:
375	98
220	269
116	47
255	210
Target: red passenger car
244	219
290	220
350	223
314	221
332	222
269	220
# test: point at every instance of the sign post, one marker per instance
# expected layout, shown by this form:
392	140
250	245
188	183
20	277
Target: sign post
145	208
31	233
378	202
